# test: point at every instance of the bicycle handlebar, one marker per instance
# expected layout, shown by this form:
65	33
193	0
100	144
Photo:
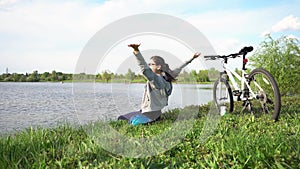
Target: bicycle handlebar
212	57
246	49
243	51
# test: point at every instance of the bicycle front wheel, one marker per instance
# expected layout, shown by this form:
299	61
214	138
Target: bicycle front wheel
222	94
267	93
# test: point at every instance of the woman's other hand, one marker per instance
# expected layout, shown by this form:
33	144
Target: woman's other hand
197	54
135	47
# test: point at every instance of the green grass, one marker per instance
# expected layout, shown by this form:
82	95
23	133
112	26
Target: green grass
240	141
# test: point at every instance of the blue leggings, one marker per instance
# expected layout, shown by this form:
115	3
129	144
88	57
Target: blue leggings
135	118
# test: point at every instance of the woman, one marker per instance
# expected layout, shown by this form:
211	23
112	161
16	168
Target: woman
158	87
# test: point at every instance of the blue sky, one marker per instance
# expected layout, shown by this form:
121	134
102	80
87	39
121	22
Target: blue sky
50	35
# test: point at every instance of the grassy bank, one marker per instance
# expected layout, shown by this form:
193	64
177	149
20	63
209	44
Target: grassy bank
240	141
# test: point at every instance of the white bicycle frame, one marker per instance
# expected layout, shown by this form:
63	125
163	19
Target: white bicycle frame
231	74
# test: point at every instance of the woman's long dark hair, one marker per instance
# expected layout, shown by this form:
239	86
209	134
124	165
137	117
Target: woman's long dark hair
169	74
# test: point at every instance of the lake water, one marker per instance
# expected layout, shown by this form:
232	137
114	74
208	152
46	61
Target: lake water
48	104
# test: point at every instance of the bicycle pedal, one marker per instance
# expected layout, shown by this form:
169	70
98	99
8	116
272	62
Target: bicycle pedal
236	93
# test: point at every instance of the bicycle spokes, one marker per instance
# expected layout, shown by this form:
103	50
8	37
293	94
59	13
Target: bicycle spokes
265	89
223	94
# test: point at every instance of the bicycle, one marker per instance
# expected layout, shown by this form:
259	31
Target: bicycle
256	89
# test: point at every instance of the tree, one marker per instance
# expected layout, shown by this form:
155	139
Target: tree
60	76
45	76
213	74
98	76
16	77
281	57
185	77
22	78
203	76
130	75
107	76
33	77
54	76
194	75
140	78
8	78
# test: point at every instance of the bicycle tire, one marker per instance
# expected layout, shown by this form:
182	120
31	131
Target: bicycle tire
269	98
226	94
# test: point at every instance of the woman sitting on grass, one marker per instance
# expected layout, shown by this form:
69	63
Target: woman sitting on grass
158	87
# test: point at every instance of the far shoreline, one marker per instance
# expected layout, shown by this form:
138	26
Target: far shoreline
98	81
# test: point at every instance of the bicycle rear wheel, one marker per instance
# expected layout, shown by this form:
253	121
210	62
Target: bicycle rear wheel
267	93
222	94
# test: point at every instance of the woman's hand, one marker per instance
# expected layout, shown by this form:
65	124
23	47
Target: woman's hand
197	54
135	47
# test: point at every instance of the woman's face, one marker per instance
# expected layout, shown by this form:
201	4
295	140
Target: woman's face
154	67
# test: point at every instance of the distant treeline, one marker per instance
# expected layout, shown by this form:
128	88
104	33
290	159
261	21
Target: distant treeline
35	77
105	76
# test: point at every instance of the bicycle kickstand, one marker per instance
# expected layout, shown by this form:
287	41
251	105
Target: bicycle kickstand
247	104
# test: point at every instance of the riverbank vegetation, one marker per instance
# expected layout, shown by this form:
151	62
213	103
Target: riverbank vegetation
281	57
106	76
239	141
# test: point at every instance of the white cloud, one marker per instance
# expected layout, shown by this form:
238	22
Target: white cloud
293	37
4	4
265	33
227	46
288	23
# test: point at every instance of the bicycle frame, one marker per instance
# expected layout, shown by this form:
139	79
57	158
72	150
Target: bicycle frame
244	82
